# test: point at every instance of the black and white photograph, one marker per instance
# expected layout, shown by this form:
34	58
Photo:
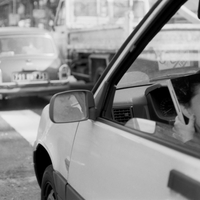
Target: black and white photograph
99	99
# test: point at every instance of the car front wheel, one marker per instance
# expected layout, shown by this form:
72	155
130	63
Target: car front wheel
48	191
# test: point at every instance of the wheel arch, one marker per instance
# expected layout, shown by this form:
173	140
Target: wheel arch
41	160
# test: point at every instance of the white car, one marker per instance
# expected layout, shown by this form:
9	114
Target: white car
30	63
117	141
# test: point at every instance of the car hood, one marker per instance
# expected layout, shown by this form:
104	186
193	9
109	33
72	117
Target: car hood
11	65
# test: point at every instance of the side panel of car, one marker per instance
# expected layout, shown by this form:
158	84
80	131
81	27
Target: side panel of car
63	189
114	164
58	142
72	194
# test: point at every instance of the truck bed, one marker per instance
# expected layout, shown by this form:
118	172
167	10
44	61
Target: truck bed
100	39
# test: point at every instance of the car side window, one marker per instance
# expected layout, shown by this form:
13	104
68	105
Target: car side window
143	92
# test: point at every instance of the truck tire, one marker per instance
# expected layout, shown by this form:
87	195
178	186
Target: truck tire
98	73
48	191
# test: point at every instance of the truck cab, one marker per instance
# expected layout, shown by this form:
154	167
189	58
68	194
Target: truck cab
77	21
88	34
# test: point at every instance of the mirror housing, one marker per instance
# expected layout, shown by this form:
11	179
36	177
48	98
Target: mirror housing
72	106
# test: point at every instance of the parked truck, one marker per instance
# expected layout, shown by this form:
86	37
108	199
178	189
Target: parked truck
89	33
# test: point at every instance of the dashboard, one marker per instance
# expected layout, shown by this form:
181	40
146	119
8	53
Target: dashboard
148	101
160	104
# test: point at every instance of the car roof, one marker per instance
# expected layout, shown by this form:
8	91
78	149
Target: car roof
23	31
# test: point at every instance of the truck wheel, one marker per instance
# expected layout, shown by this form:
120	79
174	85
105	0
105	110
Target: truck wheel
48	191
98	73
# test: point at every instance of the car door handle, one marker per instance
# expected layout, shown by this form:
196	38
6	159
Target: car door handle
184	185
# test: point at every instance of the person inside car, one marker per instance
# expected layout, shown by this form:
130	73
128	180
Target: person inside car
188	94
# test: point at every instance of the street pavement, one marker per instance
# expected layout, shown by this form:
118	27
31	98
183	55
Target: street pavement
25	122
18	130
17	177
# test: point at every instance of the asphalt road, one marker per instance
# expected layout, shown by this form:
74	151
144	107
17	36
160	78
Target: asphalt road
17	178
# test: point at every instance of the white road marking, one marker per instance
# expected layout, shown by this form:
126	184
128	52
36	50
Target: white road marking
25	122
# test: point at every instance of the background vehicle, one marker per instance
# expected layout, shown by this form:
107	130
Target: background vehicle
117	142
30	63
88	40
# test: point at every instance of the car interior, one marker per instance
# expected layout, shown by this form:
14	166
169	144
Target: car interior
151	102
143	93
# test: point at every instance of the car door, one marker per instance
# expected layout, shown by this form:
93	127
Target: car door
113	161
110	163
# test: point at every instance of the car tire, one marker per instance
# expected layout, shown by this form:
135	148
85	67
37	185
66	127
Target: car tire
48	191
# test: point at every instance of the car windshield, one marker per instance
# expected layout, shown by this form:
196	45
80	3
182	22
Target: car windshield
23	45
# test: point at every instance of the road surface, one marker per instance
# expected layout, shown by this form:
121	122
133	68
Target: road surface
19	119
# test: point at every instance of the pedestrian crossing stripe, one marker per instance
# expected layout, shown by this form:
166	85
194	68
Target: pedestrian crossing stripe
25	122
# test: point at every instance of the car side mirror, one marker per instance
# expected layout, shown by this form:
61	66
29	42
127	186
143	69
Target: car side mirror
72	106
144	125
